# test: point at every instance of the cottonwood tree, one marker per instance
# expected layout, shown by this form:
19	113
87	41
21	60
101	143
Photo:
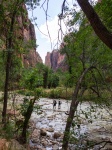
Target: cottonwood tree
88	64
99	28
96	22
12	40
31	81
8	18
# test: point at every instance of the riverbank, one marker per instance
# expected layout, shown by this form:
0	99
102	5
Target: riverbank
47	125
50	125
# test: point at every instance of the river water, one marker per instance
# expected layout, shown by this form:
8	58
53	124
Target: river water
95	125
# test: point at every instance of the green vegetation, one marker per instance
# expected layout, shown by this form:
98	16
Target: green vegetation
88	78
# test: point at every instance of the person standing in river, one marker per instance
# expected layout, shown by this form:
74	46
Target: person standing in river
54	104
59	104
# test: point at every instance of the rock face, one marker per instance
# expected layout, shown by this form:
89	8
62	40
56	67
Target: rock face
27	33
10	145
55	60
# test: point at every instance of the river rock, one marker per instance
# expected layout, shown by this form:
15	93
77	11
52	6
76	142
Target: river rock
12	145
49	135
55	147
43	132
44	142
57	135
50	129
54	142
36	133
37	147
51	117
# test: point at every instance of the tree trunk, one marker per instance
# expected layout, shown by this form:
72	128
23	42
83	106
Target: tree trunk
8	63
73	108
9	46
101	31
6	88
26	121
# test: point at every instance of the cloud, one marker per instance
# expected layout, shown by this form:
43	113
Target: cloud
55	31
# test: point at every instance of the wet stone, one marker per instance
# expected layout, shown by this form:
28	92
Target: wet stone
43	132
55	147
50	129
57	135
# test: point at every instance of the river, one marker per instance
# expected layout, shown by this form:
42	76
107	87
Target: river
92	124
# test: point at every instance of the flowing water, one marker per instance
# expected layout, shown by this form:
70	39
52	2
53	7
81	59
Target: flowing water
96	125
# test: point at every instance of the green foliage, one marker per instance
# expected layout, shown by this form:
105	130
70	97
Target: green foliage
24	106
31	79
104	11
8	131
53	80
83	49
55	93
59	92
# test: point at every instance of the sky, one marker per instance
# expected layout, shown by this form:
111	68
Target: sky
42	36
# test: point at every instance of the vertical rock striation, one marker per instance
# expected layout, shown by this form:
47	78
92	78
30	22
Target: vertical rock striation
55	60
27	33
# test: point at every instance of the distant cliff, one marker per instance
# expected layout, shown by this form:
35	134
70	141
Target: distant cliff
26	32
55	60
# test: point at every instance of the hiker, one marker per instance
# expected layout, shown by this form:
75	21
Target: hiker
59	104
54	104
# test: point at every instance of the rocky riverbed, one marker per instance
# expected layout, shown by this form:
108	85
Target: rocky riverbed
50	124
93	124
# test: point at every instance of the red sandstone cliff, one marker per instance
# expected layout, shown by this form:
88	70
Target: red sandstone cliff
32	57
55	60
27	33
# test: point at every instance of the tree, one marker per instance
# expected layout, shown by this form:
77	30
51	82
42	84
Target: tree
10	8
99	28
12	39
68	50
27	114
31	81
88	70
44	70
96	23
53	80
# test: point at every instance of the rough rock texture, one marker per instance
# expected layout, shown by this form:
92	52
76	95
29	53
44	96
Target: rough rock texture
27	33
57	135
55	60
48	60
10	145
43	132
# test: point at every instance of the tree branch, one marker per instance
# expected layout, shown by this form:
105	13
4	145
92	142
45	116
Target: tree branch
96	23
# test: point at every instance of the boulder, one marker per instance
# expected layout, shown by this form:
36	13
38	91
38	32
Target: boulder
44	142
43	132
50	129
2	144
49	135
36	133
10	145
54	142
57	135
55	147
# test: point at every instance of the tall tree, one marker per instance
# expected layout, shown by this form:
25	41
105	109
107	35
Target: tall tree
96	22
89	55
99	28
13	40
10	13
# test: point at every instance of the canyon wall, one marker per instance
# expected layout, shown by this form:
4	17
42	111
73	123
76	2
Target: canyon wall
55	60
31	57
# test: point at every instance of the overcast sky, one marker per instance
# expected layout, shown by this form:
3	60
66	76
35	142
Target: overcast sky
54	8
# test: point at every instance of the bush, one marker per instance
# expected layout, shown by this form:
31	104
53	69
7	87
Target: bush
55	93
